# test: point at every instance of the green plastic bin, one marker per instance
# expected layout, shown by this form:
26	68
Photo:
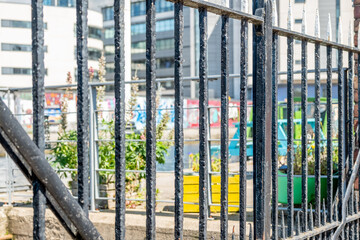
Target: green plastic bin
282	190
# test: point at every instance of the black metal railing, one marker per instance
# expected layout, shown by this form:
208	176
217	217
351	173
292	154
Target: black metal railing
336	216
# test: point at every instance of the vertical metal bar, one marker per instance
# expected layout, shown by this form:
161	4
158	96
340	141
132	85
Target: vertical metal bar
274	140
203	128
262	123
358	132
119	6
346	146
179	121
304	164
38	91
317	135
243	125
329	147
341	139
290	135
224	125
82	104
93	143
150	119
351	133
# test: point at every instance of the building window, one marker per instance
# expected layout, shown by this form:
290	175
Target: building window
297	62
297	41
94	54
164	6
138	8
161	26
109	33
165	25
299	1
17	47
109	67
15	71
109	50
95	32
162	44
165	62
66	3
161	63
108	13
298	20
49	2
17	24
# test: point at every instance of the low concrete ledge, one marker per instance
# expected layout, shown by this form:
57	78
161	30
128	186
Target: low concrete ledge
19	223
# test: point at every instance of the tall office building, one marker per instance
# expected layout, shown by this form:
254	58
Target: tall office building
165	42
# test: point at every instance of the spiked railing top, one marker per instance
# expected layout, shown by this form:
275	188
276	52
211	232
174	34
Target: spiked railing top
274	13
244	6
350	36
329	30
317	24
289	21
340	36
303	25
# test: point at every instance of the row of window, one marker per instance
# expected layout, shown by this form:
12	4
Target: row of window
161	26
162	44
17	71
93	53
140	28
60	3
139	9
140	47
94	32
17	47
17	24
161	63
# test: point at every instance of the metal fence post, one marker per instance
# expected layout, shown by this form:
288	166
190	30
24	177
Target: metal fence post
38	91
262	86
93	152
82	104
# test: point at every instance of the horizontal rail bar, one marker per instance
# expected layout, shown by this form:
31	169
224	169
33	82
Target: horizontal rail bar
304	37
221	10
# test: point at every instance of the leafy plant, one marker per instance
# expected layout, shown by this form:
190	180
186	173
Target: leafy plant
65	153
195	166
311	159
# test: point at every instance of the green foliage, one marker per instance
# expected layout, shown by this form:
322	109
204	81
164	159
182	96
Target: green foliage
135	154
194	162
65	153
311	159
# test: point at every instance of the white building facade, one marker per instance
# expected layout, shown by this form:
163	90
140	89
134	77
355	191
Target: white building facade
60	43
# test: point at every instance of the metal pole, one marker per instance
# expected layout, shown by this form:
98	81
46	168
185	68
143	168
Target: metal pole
262	87
203	127
82	104
38	91
150	119
93	143
179	121
120	123
224	125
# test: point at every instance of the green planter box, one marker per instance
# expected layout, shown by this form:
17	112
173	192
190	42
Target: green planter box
282	183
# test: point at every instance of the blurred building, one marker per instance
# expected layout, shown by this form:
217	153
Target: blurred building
60	41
